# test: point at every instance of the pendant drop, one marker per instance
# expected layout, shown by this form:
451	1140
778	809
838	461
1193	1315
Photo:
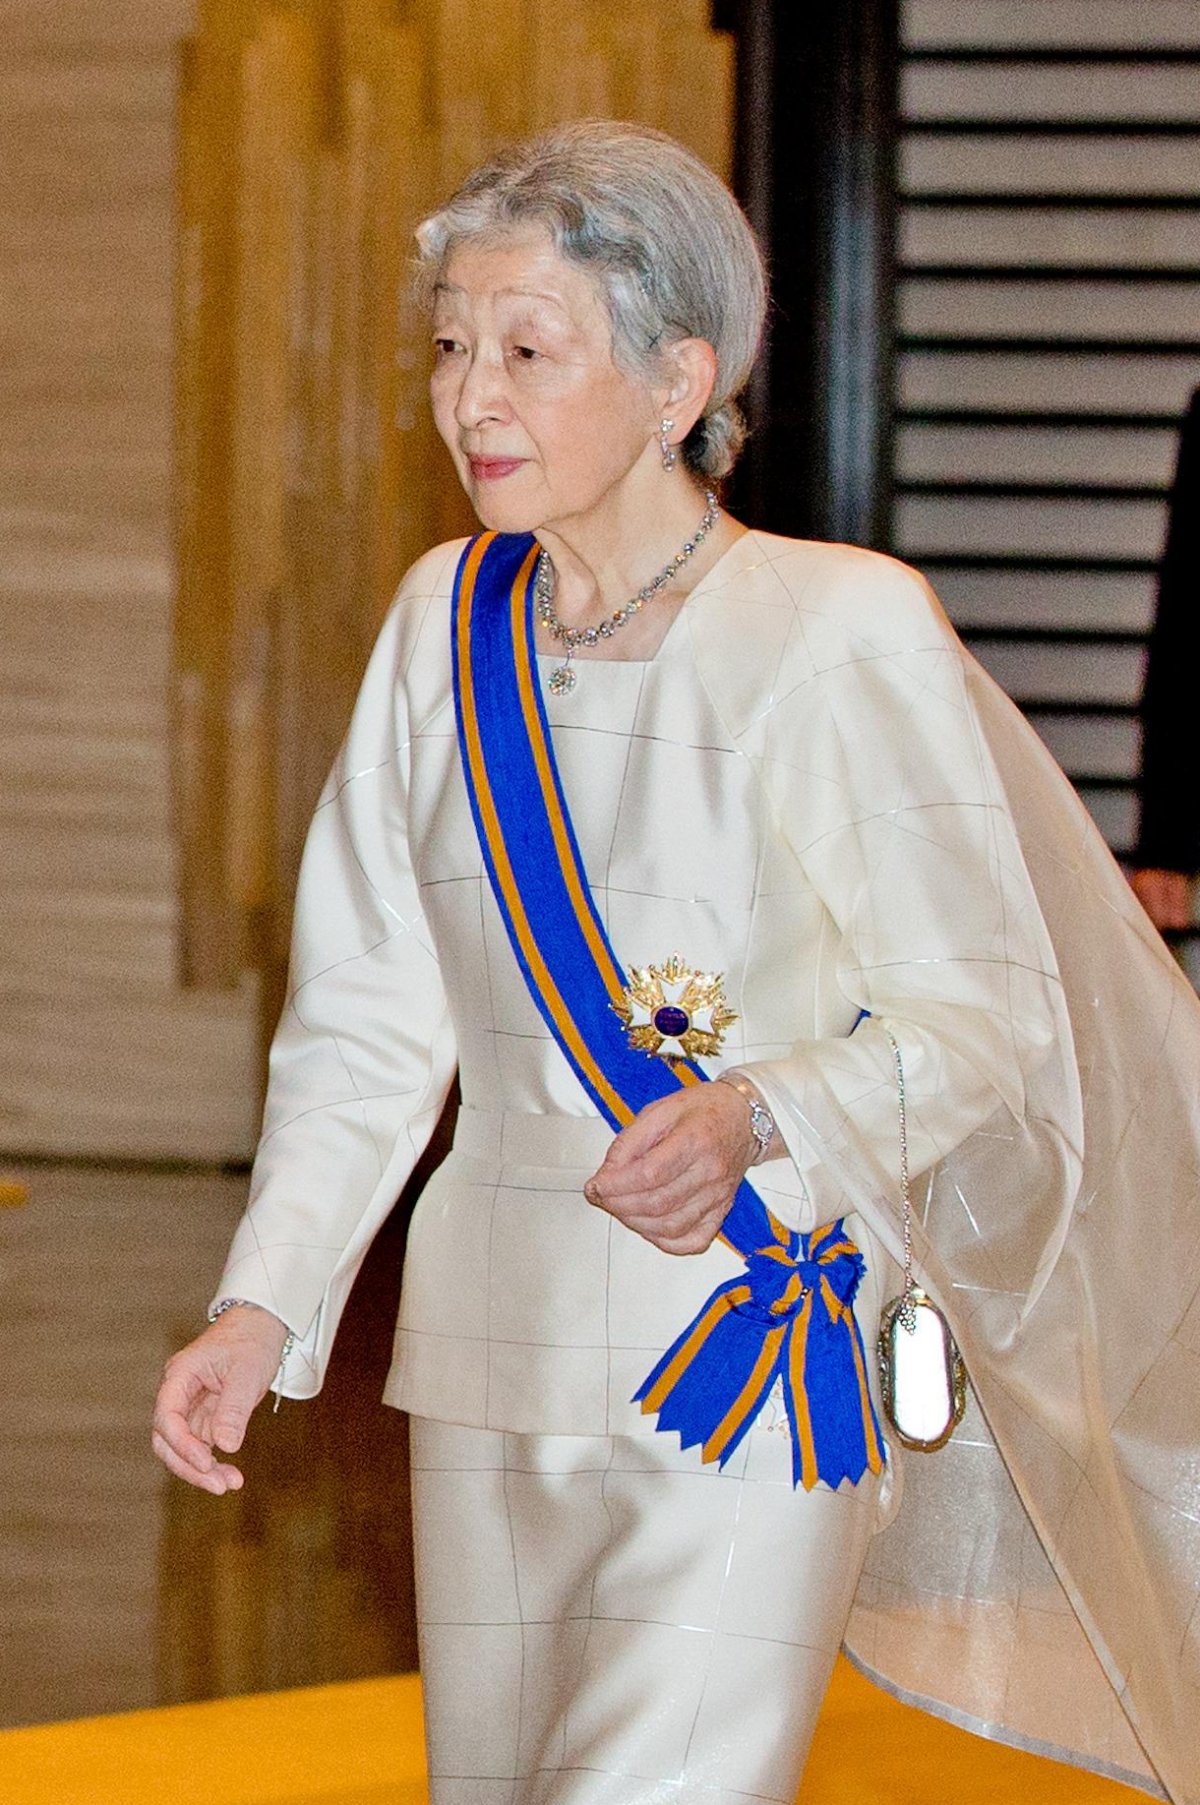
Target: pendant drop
561	681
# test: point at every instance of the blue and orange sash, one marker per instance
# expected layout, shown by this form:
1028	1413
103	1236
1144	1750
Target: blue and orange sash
789	1316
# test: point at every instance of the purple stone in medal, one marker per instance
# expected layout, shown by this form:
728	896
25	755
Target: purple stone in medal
671	1021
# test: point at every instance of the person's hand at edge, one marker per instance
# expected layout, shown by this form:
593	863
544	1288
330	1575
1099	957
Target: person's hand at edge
1166	897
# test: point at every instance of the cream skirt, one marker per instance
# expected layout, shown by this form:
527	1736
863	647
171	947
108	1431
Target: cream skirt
604	1621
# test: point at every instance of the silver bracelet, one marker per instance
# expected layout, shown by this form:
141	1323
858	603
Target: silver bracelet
762	1122
229	1303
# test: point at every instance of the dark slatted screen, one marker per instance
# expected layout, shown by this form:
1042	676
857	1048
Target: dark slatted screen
1049	339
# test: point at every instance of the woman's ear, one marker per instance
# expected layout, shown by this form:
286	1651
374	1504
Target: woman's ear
690	376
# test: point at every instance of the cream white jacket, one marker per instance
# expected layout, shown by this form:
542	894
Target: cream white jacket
825	830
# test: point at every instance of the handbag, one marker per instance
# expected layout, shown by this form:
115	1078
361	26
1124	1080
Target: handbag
922	1375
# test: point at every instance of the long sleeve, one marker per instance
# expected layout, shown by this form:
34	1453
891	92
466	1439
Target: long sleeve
878	777
364	1054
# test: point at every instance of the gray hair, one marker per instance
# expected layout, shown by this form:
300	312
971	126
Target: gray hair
673	252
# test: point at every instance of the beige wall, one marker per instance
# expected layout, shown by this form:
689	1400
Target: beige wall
99	1050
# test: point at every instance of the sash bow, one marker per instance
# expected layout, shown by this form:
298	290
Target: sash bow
790	1319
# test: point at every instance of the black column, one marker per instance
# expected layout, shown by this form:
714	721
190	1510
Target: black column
814	167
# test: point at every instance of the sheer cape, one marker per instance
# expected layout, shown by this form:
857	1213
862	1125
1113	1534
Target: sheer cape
1041	1580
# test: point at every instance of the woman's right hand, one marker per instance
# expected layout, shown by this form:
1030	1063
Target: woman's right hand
208	1391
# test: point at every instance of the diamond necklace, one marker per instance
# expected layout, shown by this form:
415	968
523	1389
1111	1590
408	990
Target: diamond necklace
563	679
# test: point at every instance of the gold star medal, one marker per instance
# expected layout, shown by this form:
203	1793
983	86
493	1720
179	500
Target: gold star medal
675	1012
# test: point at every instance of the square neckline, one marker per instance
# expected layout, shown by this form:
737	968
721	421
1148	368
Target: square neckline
692	594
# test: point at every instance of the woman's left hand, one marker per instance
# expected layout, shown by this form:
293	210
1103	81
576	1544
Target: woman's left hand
671	1175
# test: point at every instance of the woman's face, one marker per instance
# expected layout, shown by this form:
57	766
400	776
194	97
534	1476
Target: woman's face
540	422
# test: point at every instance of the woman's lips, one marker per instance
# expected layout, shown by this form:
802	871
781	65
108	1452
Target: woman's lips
488	470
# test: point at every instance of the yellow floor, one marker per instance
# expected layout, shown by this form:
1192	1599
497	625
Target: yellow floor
360	1744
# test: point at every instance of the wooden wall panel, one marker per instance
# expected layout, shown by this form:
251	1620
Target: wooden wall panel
100	1052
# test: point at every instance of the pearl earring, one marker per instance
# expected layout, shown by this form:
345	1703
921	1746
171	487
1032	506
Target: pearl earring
669	458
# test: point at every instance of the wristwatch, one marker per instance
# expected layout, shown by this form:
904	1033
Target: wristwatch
762	1122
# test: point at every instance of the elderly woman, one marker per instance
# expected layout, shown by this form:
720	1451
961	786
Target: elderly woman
634	798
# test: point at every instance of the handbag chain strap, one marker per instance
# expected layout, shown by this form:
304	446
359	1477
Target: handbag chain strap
908	1308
